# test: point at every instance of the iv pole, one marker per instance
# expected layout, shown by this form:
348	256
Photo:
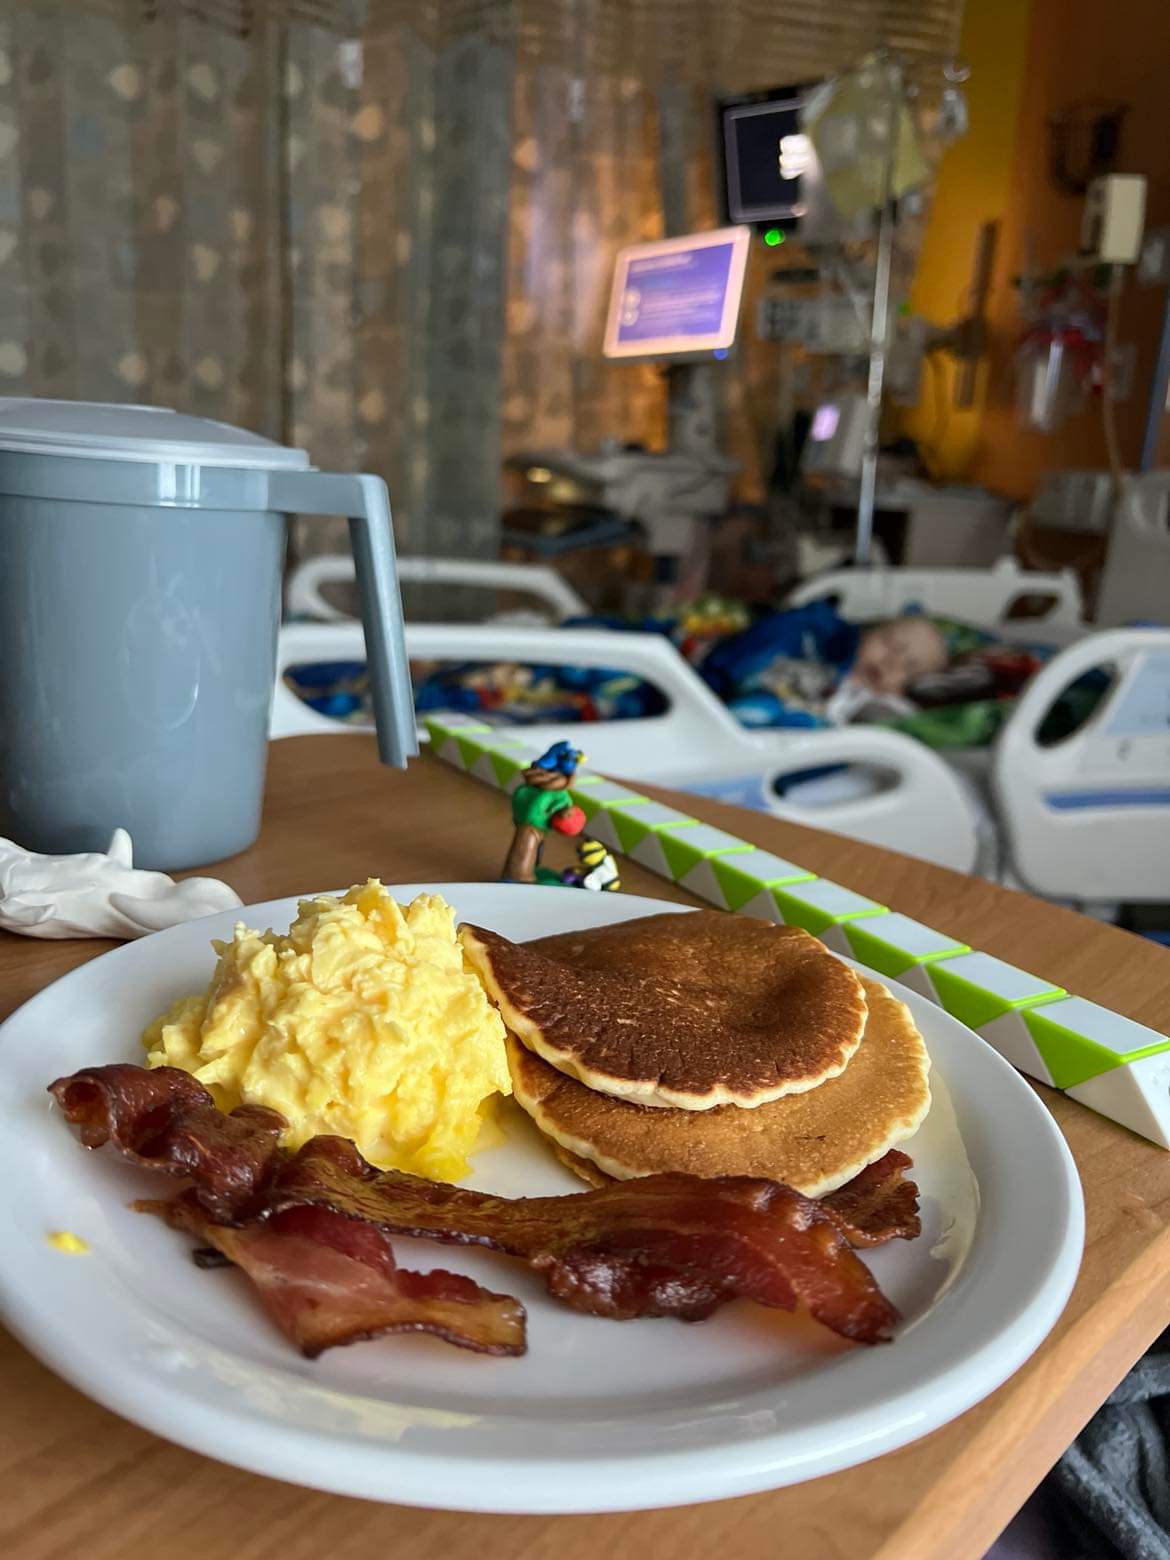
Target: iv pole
878	331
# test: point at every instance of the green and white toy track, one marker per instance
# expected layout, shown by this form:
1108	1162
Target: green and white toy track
1115	1066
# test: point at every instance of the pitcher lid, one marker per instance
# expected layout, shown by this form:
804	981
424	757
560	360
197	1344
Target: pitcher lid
107	430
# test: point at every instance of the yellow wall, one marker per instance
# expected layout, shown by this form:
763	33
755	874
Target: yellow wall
974	185
1079	49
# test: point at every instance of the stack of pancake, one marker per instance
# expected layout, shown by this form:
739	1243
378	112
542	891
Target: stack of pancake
706	1043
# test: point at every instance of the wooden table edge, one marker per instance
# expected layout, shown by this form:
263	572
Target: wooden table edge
1015	1434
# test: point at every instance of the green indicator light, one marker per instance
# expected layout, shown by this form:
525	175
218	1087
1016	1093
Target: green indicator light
773	237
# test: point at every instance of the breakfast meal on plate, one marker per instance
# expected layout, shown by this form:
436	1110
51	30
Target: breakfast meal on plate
691	1011
732	1091
362	1019
309	1228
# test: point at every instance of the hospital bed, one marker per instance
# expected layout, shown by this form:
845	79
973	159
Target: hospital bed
1086	819
695	744
912	802
1083	819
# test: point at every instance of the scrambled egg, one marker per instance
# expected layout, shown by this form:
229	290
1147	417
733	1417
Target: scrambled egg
362	1020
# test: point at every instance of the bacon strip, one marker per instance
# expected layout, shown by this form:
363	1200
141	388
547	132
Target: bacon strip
327	1280
163	1119
663	1245
669	1245
878	1205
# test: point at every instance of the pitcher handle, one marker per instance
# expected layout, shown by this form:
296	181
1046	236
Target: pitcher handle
366	504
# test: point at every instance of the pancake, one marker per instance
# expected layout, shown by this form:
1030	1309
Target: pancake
585	1168
814	1142
684	1011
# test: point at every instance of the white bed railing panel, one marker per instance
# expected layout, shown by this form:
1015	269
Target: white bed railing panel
1089	817
981	596
306	597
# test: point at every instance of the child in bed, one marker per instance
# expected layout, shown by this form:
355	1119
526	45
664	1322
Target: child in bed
948	683
791	667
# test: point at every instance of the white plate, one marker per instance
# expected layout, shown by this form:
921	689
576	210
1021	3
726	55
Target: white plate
598	1415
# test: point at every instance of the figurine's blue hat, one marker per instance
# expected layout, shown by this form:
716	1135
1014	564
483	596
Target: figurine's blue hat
561	756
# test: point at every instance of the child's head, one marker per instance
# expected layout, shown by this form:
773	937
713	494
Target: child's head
891	655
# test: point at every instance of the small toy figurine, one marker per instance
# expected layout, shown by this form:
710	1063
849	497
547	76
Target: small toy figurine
540	803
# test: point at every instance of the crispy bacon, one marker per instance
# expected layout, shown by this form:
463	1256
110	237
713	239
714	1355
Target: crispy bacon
663	1245
326	1279
667	1245
878	1205
163	1119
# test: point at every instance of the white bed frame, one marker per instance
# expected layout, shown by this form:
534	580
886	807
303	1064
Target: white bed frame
1088	819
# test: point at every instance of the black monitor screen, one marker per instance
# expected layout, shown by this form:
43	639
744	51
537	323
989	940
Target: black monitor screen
762	146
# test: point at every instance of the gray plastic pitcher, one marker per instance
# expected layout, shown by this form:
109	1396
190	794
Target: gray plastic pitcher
140	593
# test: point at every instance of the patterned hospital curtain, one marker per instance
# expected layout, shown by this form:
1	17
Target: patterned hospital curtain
288	215
435	131
584	182
138	211
317	157
398	160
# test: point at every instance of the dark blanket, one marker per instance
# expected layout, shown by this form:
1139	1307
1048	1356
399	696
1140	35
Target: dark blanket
1111	1490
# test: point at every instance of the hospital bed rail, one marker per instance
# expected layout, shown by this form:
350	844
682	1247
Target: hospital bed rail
306	598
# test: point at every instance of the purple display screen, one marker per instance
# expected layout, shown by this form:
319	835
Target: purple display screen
825	421
681	293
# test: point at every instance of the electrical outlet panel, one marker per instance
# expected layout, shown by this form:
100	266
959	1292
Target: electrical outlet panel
1114	215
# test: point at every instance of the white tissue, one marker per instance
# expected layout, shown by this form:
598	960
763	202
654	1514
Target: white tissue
96	895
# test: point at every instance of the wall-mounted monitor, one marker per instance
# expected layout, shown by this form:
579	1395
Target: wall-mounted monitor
766	156
677	297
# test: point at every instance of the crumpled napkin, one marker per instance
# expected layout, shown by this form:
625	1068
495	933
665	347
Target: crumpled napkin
98	895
